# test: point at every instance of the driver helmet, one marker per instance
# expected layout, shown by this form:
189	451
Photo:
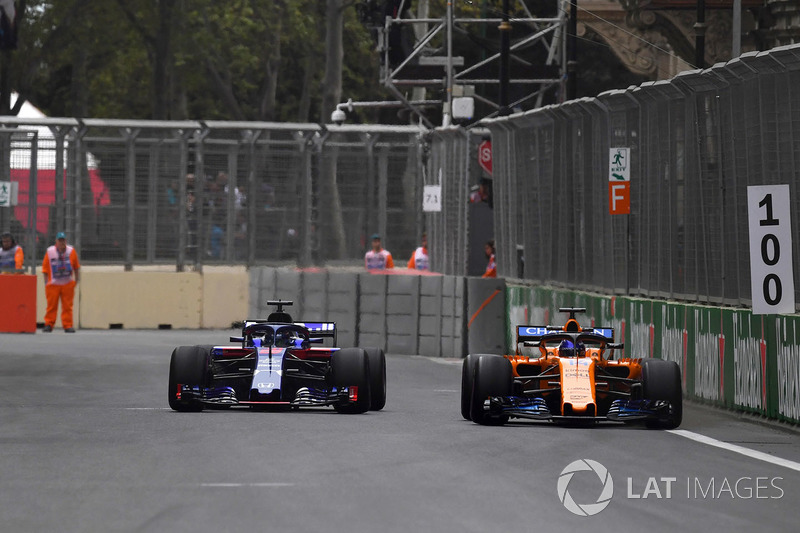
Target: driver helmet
567	348
284	338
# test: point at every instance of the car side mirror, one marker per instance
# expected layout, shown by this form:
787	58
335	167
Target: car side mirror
614	346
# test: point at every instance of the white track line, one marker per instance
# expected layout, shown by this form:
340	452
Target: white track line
450	361
761	456
237	485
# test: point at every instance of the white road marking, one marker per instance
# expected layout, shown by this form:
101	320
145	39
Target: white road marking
761	456
236	485
444	390
450	361
147	409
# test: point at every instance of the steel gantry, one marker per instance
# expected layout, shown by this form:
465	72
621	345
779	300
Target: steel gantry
529	66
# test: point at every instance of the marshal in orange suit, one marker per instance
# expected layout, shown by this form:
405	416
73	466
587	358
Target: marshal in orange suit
61	271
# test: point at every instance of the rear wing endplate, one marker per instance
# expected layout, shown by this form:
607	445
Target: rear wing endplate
320	329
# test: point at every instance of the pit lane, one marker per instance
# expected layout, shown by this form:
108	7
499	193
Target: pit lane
89	444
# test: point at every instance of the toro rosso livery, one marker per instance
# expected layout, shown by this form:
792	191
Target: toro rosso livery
274	364
574	377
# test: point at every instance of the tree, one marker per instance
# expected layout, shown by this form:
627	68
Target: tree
331	95
5	69
155	27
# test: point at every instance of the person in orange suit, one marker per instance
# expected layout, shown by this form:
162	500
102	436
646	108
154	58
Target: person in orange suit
11	255
419	259
491	266
61	271
378	258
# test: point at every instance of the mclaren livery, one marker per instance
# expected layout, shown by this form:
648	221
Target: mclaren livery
574	378
274	364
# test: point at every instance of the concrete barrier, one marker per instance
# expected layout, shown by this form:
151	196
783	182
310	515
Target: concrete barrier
430	316
402	314
225	296
372	310
141	299
111	297
453	336
342	306
486	315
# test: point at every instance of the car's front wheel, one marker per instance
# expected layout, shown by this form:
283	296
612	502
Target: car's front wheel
467	377
661	380
188	366
493	378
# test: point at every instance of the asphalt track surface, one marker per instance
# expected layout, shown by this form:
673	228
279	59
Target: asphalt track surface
87	443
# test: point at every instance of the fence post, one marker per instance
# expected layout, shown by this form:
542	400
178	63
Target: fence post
129	134
152	200
59	133
33	199
198	242
251	137
183	221
230	199
74	182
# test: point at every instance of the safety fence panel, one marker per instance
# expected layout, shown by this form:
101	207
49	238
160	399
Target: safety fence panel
447	229
695	144
19	208
191	193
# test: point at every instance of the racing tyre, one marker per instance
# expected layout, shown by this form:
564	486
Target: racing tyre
188	366
661	380
377	378
493	377
467	377
350	368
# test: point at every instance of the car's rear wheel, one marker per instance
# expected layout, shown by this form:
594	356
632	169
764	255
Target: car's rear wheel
377	378
188	366
661	380
467	377
350	368
493	377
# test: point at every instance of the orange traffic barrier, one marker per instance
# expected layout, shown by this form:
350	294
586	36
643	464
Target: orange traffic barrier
17	303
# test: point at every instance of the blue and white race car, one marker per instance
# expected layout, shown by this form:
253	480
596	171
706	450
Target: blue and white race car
274	364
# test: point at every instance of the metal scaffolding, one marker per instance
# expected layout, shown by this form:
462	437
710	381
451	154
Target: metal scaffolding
446	69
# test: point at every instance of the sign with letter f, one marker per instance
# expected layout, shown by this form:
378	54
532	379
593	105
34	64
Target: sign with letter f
619	181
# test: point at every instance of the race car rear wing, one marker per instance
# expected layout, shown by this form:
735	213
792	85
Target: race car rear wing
320	329
535	333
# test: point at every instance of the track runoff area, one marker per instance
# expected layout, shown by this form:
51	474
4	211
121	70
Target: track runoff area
89	444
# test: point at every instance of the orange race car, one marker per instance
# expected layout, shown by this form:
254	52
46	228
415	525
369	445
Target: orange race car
574	378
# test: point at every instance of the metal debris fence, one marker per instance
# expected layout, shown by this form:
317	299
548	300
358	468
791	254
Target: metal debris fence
193	193
696	142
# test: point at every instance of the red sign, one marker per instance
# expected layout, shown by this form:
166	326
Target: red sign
619	197
485	156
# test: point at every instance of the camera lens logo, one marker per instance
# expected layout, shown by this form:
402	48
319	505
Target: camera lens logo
586	509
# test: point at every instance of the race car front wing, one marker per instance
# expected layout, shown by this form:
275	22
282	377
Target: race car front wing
305	396
535	408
